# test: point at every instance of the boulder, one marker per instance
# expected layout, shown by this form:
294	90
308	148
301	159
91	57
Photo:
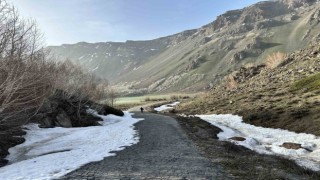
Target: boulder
239	56
63	120
105	110
43	120
9	137
47	122
89	120
289	145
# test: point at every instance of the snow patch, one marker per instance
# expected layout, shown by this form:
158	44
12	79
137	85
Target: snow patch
82	57
53	152
166	106
209	36
268	140
136	68
95	68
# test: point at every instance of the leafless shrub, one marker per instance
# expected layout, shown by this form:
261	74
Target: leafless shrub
174	97
111	97
275	59
184	97
77	82
24	77
28	77
147	99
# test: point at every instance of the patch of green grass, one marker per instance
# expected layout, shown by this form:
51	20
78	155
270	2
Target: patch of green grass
310	83
152	97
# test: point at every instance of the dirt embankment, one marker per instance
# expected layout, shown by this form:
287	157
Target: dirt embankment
238	161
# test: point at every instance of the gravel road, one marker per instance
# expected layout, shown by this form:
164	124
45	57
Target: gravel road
164	152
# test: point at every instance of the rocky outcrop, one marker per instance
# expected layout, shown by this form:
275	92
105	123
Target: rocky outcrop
254	44
195	63
297	3
245	73
105	110
64	111
60	110
9	137
315	18
238	56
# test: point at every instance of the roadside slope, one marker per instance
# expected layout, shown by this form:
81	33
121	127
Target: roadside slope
286	97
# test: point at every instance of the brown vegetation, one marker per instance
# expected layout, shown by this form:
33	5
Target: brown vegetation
148	99
28	75
286	97
275	59
231	83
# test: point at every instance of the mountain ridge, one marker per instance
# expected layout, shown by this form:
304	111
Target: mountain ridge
197	59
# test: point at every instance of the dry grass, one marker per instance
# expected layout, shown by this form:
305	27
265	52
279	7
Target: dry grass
249	65
231	83
275	59
148	99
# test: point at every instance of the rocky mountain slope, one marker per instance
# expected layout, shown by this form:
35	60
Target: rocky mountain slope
197	59
286	97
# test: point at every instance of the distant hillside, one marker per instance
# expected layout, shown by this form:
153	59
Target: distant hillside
197	59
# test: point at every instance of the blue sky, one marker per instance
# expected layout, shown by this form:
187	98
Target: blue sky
71	21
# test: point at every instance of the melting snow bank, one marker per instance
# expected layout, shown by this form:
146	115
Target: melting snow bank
166	106
269	141
52	153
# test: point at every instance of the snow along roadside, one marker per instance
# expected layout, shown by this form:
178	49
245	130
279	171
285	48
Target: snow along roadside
268	140
52	153
166	106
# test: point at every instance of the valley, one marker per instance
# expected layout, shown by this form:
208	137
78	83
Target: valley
238	98
198	59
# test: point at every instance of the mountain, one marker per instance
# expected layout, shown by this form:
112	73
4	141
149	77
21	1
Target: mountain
286	97
197	59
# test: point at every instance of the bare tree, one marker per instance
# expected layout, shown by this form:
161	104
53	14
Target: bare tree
28	75
112	97
24	77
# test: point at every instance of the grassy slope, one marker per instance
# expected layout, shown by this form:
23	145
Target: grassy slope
286	37
287	97
309	83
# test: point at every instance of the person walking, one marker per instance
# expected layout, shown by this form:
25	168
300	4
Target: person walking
141	109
